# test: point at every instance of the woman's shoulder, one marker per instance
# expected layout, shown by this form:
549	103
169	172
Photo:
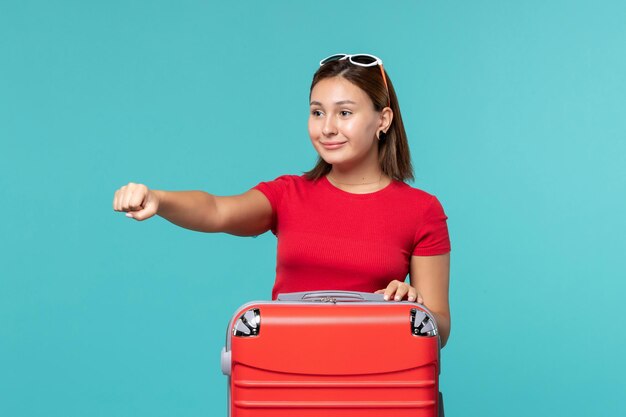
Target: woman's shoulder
426	203
413	192
290	179
286	182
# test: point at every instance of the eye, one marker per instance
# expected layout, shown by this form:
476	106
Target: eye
316	113
345	113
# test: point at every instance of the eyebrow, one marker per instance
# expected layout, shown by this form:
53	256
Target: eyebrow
317	103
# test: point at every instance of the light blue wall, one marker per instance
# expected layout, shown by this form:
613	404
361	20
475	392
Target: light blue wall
517	120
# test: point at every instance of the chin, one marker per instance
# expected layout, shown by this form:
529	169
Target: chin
332	159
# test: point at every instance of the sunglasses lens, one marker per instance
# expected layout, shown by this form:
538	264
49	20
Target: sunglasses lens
332	58
363	59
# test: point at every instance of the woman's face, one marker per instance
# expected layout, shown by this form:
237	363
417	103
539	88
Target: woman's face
343	123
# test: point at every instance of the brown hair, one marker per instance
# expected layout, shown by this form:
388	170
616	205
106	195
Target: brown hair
393	151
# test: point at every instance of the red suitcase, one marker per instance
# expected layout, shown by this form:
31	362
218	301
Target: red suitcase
332	353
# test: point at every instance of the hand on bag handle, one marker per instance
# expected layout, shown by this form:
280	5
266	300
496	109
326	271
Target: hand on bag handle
330	296
396	290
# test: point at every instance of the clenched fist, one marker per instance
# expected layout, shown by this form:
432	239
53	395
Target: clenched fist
139	202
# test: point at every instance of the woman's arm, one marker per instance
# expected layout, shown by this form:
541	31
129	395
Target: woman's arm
430	276
247	214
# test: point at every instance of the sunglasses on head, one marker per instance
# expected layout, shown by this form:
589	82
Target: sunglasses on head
362	60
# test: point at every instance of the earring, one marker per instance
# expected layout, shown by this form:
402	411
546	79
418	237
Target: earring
382	135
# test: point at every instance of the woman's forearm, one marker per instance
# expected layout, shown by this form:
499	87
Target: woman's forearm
443	325
195	210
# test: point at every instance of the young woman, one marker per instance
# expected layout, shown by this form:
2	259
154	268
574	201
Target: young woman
350	223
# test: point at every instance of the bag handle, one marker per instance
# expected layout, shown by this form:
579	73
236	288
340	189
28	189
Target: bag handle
330	296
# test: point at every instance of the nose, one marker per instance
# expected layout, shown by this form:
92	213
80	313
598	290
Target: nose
330	128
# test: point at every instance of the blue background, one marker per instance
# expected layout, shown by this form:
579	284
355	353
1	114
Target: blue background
516	116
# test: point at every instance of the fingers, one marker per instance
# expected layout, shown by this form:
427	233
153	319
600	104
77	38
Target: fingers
397	290
139	215
131	198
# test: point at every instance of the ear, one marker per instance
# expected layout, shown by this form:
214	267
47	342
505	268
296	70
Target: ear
386	117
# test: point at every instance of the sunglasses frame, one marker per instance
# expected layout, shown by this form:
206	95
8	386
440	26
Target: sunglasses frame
349	57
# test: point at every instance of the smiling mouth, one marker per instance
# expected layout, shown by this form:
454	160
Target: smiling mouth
333	145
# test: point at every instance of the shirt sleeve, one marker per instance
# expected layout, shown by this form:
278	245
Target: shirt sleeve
432	236
274	191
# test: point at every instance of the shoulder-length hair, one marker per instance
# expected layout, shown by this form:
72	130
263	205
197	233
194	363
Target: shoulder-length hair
393	151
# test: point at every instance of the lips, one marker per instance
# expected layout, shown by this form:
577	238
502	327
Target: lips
333	145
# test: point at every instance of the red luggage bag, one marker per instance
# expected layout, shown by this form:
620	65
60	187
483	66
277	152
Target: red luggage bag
332	353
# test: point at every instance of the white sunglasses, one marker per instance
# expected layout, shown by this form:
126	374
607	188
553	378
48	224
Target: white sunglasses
362	60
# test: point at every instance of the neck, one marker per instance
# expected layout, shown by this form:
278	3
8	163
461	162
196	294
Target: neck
355	179
366	172
358	181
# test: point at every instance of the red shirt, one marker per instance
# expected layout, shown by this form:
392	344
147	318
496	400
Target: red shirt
330	239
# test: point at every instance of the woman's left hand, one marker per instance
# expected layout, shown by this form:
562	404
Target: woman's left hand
396	290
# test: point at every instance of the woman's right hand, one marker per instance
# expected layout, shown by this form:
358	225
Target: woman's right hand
137	200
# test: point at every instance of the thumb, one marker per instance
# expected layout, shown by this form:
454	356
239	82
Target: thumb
147	209
139	215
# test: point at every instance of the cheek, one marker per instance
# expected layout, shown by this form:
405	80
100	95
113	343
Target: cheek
354	129
314	129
